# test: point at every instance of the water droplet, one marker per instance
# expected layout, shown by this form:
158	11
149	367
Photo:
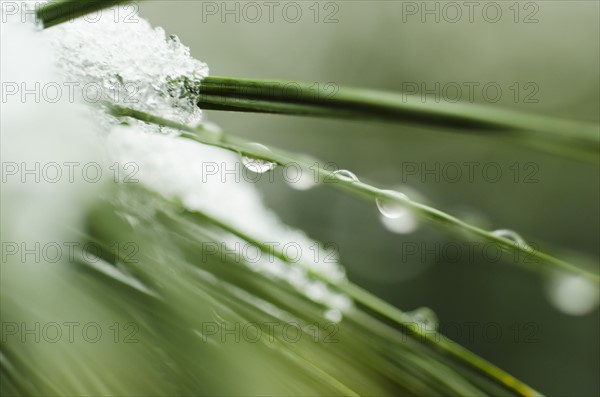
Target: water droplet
425	316
345	176
395	216
573	294
333	315
405	224
511	236
391	208
257	165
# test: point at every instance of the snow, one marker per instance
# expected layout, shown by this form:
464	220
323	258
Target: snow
135	65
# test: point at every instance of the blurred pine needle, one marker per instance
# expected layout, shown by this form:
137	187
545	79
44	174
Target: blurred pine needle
183	290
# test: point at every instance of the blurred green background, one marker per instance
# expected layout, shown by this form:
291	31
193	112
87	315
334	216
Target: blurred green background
376	44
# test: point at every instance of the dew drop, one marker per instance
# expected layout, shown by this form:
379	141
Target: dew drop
396	217
573	294
425	316
511	236
405	224
257	165
333	315
391	208
345	176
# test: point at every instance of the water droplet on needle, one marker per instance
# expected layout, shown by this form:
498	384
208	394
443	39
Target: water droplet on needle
391	208
511	236
573	295
345	176
395	216
258	166
425	316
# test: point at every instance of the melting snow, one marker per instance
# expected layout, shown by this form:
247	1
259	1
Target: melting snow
137	66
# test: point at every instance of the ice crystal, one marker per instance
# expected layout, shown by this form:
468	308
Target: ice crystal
132	64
